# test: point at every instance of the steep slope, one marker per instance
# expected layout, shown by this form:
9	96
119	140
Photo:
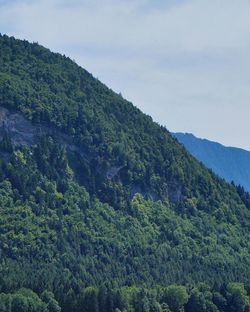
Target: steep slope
232	164
94	193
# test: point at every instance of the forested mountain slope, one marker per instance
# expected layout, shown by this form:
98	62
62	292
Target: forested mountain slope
232	164
100	206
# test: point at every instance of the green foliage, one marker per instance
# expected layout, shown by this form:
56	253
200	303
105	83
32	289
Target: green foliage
5	143
51	89
176	297
107	212
24	300
238	299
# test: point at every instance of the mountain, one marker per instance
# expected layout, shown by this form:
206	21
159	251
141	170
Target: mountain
101	209
230	163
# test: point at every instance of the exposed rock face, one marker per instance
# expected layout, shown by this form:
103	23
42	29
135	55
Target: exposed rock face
20	130
112	172
23	132
175	195
137	189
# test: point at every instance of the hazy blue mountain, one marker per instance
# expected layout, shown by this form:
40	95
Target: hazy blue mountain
231	163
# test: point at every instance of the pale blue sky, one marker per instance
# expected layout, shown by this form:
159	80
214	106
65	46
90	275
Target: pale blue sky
186	62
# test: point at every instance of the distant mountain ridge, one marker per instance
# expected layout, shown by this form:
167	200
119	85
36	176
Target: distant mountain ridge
231	163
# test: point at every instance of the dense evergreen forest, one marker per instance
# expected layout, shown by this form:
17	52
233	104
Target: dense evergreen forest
101	209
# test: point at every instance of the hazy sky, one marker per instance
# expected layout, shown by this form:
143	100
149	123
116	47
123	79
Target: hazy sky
184	62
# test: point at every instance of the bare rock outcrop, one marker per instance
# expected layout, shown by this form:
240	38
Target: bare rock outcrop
20	130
